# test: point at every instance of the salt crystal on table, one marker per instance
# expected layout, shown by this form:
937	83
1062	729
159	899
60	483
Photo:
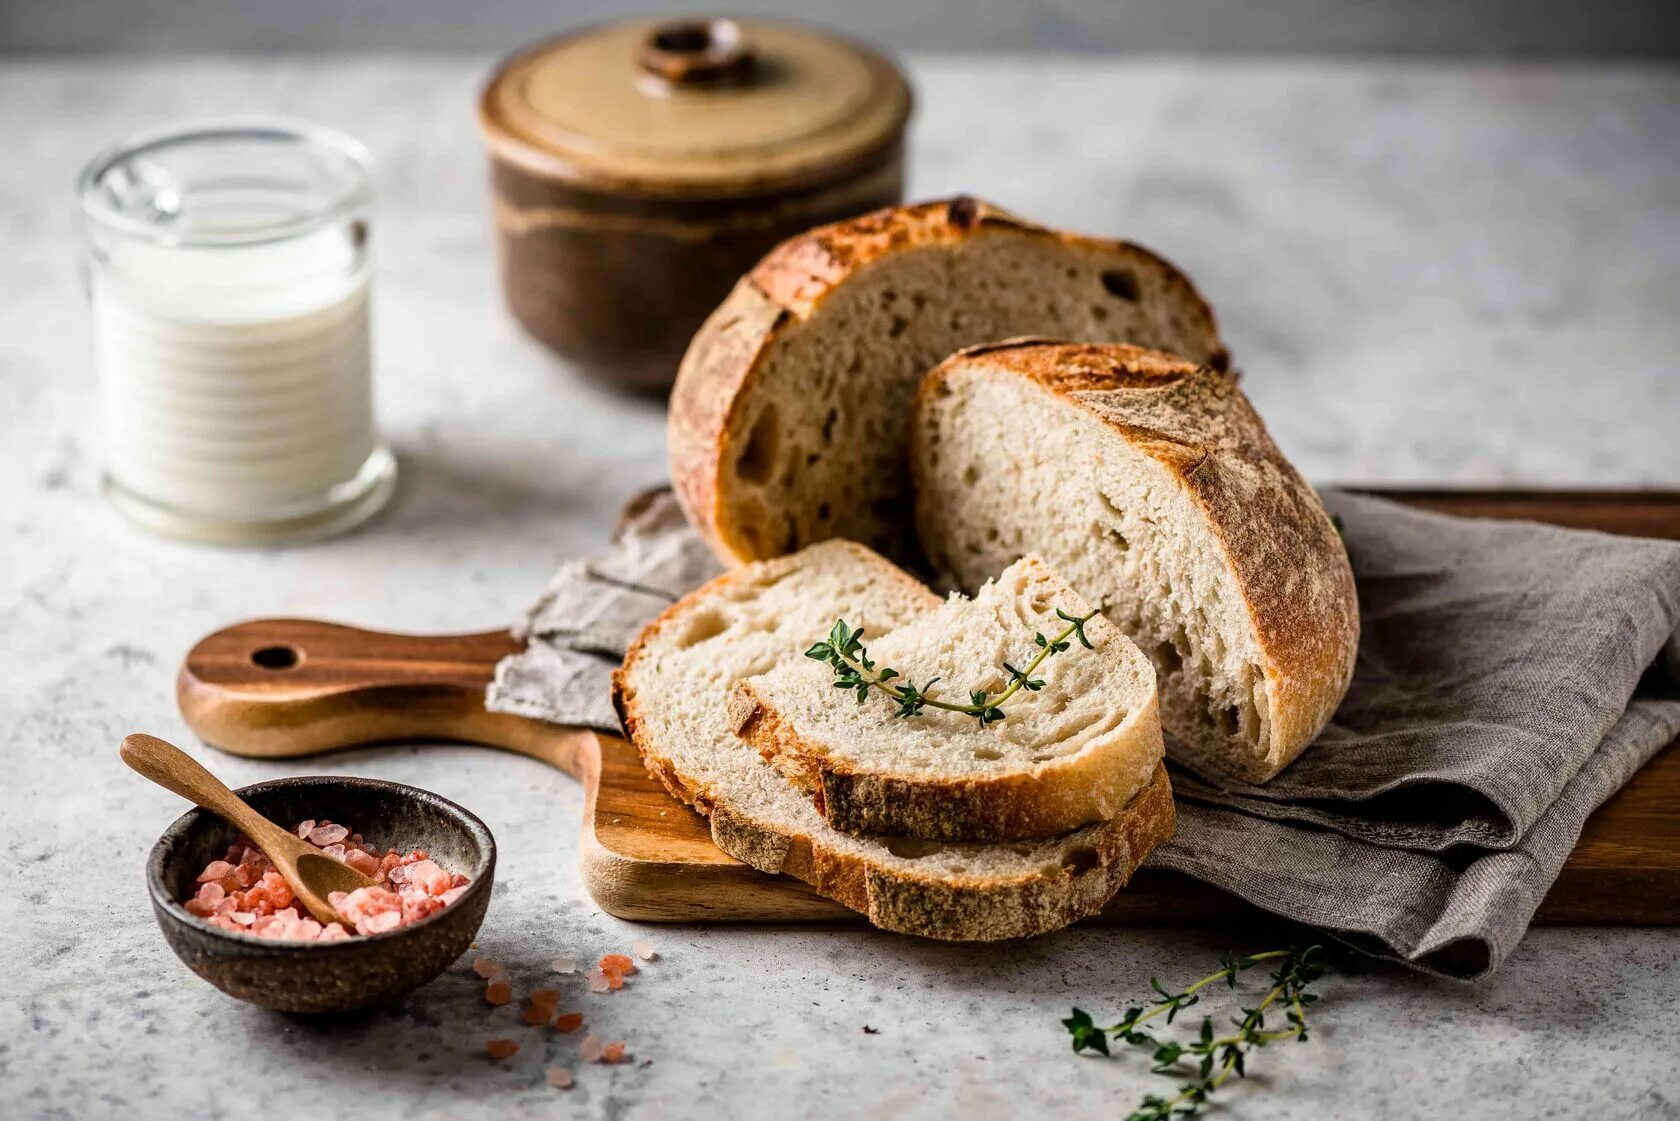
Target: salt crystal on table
568	1022
498	992
550	997
591	1048
563	965
598	982
214	870
643	950
487	967
500	1048
617	963
559	1077
613	1052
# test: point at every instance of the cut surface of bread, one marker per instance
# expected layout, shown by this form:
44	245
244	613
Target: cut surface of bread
790	417
1152	486
672	696
1071	752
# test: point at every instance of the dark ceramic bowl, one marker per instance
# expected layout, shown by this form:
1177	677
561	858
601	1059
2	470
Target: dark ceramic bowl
326	976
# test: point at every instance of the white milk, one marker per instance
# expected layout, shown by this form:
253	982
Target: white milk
236	379
229	278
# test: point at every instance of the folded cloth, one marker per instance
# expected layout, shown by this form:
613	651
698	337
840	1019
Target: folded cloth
1511	677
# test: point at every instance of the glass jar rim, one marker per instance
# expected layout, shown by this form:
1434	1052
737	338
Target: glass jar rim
97	207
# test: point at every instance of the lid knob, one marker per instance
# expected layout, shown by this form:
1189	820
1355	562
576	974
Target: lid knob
710	52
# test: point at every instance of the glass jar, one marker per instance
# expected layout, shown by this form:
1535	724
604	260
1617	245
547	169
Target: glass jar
228	272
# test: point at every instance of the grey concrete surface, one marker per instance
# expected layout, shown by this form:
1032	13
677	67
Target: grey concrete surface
1456	28
1427	272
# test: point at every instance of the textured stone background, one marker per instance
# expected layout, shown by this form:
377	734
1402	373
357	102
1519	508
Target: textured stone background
1428	272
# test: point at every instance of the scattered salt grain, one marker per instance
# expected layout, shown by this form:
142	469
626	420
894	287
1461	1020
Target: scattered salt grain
498	992
487	967
563	965
500	1048
598	981
613	1052
591	1049
559	1077
617	963
643	950
568	1022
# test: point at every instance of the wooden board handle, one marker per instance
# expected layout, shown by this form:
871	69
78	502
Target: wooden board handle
276	688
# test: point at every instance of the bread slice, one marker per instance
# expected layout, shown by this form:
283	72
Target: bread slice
672	693
790	417
1072	752
1152	486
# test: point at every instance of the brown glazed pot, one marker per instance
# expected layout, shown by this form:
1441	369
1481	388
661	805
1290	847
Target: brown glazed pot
638	170
326	976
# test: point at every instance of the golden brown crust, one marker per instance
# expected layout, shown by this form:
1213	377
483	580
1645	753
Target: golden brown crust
723	362
947	907
1288	560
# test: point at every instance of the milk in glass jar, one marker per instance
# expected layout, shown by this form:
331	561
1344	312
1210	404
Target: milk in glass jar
228	270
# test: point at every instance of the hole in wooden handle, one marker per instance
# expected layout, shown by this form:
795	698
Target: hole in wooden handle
276	657
707	52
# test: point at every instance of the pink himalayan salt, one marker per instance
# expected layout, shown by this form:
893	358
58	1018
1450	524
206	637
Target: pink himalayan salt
487	967
244	892
598	981
498	992
643	950
214	870
559	1077
500	1048
303	829
612	1052
568	1022
591	1048
563	965
326	834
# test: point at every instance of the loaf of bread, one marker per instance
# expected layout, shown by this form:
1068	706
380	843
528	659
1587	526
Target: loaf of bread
1151	485
1073	744
672	696
790	417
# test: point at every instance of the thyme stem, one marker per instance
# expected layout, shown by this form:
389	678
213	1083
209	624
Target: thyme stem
1219	1056
855	671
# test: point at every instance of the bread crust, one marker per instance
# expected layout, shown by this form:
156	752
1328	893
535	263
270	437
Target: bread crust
724	360
968	908
1288	559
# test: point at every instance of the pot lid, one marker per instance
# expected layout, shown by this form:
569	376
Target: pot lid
705	106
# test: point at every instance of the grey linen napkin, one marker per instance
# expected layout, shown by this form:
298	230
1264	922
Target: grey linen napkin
1511	677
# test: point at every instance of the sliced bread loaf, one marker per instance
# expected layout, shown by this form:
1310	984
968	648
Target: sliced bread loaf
1153	487
1071	746
789	421
672	695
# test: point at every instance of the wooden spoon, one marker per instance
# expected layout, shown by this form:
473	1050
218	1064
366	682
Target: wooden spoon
311	873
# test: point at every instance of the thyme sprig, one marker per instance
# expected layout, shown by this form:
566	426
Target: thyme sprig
1212	1057
854	670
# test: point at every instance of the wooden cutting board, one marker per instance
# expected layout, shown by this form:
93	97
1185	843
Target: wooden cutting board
278	688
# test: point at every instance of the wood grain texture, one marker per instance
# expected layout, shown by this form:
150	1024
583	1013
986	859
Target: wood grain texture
291	687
